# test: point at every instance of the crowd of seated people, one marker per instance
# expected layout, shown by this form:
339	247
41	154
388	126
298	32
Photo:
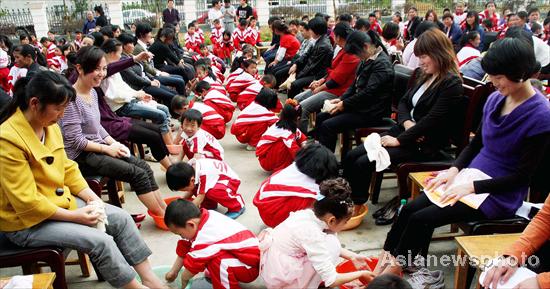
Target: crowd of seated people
71	110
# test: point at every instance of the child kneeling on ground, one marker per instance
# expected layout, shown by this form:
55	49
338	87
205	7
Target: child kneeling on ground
211	242
196	142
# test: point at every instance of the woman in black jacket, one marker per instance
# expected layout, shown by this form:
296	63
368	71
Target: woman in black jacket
368	99
312	65
165	59
427	118
139	79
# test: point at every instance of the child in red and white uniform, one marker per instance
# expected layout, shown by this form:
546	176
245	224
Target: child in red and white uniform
374	26
254	120
196	141
295	187
225	48
15	74
470	50
254	32
206	72
459	16
49	47
242	36
211	242
212	122
58	63
192	39
248	95
236	67
4	70
243	80
208	182
215	99
198	30
204	53
216	36
491	14
281	141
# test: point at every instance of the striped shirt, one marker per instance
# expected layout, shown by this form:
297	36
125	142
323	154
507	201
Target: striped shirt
80	124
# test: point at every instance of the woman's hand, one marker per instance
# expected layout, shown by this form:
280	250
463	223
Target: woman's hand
408	124
501	272
115	150
85	216
455	193
442	179
273	63
143	56
318	89
292	69
338	106
389	141
155	83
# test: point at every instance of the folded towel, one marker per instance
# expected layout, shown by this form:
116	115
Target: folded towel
327	106
376	152
99	209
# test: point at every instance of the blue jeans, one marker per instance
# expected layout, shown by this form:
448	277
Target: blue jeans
159	115
174	81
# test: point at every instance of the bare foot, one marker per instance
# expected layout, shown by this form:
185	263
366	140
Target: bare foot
383	262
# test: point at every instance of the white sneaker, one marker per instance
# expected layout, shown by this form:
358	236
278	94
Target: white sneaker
426	279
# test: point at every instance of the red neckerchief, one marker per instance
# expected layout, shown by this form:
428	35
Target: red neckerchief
459	13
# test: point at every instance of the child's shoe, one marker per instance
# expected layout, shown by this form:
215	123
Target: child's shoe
250	148
235	215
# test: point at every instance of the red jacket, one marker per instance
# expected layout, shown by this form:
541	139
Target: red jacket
342	72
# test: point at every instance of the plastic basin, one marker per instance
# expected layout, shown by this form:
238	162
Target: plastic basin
348	266
355	221
159	221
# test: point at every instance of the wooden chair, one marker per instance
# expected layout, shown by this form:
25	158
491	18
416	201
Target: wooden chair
104	186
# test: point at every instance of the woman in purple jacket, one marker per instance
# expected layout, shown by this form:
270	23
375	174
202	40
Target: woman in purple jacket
515	131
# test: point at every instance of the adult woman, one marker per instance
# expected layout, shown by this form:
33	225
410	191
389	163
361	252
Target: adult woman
312	65
425	118
128	102
470	42
338	79
138	79
367	100
42	189
472	24
288	47
432	17
516	115
165	59
100	19
25	56
87	142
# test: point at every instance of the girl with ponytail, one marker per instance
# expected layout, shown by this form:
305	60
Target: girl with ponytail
303	251
280	142
45	201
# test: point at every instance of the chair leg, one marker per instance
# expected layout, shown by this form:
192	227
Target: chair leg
376	184
57	265
113	193
84	262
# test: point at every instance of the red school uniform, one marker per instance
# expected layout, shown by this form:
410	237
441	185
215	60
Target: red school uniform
224	247
216	36
231	77
376	27
251	124
57	62
254	34
212	122
14	75
494	20
220	103
202	143
248	95
51	51
278	147
239	84
224	49
219	75
242	36
193	42
285	191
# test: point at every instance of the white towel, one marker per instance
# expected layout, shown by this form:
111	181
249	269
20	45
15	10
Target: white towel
376	152
328	106
20	282
99	209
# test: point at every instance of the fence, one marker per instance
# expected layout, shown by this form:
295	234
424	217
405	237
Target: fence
14	22
295	9
364	7
149	11
63	19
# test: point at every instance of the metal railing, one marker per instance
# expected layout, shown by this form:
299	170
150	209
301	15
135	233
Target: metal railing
14	22
295	9
63	19
363	7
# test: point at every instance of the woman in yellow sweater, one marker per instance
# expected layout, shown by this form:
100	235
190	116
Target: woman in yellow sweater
43	195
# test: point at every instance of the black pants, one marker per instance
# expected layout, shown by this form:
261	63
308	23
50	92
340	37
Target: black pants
298	85
187	72
148	133
163	94
175	81
131	170
358	168
281	73
412	232
327	126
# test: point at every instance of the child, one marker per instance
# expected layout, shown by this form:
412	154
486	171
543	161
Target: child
216	37
209	183
49	47
215	99
58	63
204	53
242	35
247	96
297	186
213	242
254	120
198	30
388	281
4	71
374	26
244	80
254	32
192	39
224	48
280	143
15	74
205	72
212	122
236	66
198	141
303	251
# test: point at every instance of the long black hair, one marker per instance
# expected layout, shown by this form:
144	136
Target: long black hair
267	98
88	57
49	87
288	118
476	20
205	63
355	43
317	162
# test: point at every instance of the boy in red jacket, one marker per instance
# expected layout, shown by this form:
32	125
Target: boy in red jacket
192	39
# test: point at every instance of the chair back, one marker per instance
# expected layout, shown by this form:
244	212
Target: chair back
489	38
404	77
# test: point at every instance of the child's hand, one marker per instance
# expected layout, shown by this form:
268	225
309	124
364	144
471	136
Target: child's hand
360	261
367	276
171	276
